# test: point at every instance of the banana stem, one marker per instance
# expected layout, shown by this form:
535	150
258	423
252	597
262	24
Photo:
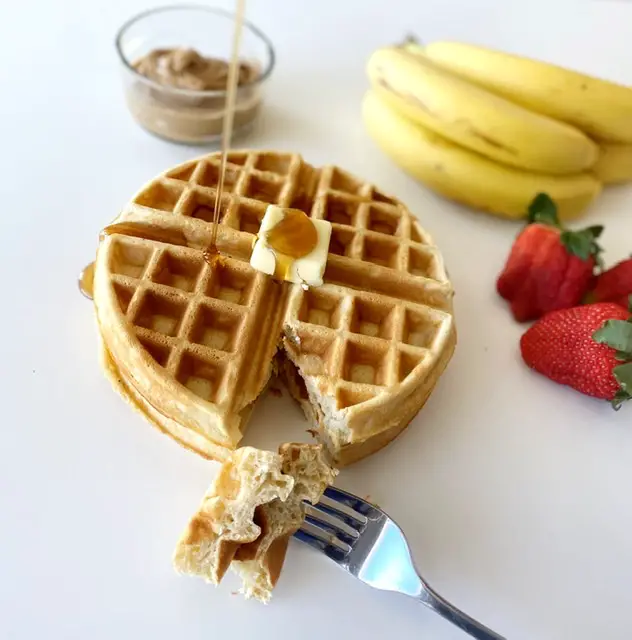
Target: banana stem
410	40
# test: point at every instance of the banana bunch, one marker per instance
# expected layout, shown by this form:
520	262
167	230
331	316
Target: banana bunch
492	130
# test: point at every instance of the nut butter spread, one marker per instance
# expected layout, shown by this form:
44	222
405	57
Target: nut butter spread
187	69
187	117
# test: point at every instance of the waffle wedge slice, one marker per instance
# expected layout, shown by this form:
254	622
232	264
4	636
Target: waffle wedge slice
250	512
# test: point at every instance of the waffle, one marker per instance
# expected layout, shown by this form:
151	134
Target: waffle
193	344
250	512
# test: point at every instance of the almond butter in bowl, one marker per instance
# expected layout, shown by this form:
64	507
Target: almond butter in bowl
175	65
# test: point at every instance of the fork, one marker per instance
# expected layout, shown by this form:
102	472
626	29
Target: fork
369	545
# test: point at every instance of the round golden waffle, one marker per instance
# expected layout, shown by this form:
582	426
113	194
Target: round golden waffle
193	344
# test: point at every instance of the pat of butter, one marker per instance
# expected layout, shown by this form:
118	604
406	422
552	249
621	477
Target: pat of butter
307	270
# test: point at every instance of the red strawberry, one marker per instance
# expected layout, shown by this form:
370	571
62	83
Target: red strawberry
614	284
548	268
588	348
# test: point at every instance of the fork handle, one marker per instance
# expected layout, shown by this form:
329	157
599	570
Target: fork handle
456	617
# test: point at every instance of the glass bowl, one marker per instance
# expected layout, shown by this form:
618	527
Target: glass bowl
188	115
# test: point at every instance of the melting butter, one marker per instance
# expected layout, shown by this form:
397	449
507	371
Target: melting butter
291	246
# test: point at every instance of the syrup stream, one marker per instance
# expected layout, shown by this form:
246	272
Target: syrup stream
227	129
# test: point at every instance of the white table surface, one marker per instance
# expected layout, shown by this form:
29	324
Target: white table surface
515	492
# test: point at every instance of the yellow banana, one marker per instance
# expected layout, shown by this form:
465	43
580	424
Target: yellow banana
598	107
476	118
614	163
466	176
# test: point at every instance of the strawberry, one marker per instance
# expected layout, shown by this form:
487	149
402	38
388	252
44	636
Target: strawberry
548	267
614	284
588	348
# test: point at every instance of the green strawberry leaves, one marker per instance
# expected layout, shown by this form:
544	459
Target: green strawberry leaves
623	375
582	243
619	398
543	210
618	335
578	243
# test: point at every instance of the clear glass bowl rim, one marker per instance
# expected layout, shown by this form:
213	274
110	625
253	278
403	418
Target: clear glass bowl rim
193	7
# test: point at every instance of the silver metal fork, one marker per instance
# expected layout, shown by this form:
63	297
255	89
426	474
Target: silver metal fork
368	544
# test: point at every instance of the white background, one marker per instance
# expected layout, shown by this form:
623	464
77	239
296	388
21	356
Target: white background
516	493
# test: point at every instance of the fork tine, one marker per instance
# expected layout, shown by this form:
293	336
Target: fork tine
348	515
321	541
331	525
361	507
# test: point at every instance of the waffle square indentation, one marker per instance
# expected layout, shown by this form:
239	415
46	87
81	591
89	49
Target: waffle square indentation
201	204
159	352
182	173
231	281
422	262
237	158
349	397
123	295
160	196
340	242
320	308
273	163
382	251
420	329
303	200
249	217
216	328
201	377
415	234
209	176
373	319
264	188
342	181
383	220
178	272
407	363
162	314
378	196
366	364
129	258
341	210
